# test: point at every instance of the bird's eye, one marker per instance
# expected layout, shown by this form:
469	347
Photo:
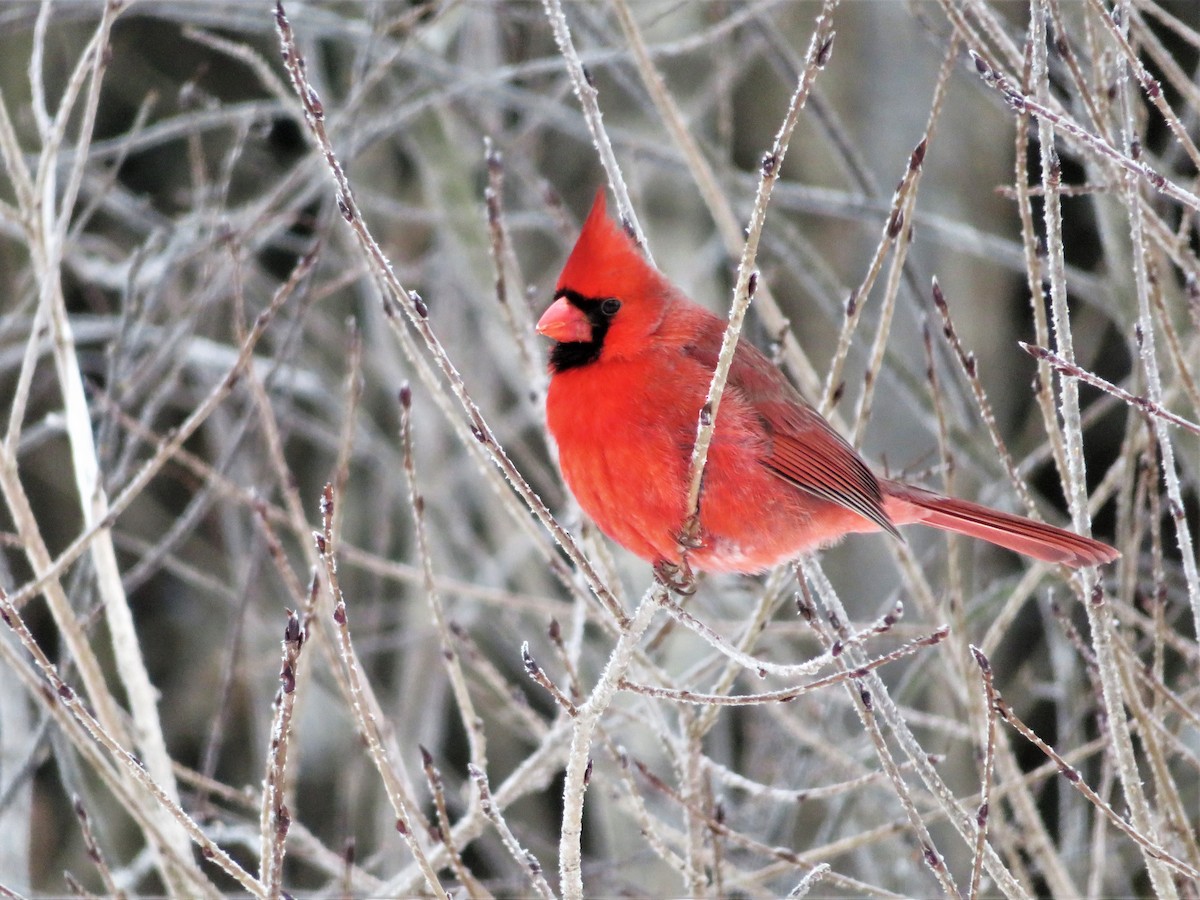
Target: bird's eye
610	306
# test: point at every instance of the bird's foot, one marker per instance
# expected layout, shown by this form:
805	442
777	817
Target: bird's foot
689	537
676	577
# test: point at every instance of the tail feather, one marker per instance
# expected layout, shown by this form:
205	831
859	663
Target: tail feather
907	504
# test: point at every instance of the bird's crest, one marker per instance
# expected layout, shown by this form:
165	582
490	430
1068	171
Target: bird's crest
606	262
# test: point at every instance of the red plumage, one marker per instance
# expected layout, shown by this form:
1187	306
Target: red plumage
629	373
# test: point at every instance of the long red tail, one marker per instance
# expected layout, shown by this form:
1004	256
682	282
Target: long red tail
906	504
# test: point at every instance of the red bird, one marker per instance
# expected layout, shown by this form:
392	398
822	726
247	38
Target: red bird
629	373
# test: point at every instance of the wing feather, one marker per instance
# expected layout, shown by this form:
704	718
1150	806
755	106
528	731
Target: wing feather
804	450
814	458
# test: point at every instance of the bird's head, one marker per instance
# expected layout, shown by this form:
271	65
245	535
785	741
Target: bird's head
608	299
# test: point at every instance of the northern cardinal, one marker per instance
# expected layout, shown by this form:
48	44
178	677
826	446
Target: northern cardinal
630	370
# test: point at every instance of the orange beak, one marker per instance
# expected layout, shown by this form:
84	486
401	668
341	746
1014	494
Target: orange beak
565	323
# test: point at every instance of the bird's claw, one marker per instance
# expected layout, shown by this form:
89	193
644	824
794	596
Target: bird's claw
689	538
675	577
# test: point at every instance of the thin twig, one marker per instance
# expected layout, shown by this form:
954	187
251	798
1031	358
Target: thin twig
785	695
471	721
983	813
534	671
1075	779
433	777
169	447
882	702
366	707
970	369
1143	404
527	860
95	854
275	819
60	697
863	697
585	91
1021	102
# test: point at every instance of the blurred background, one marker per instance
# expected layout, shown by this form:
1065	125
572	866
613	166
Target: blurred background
198	194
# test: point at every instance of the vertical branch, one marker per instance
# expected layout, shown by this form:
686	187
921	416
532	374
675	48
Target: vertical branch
49	223
20	394
968	364
1148	356
948	463
275	818
516	315
1075	483
893	226
433	777
1035	279
353	393
819	48
899	232
989	755
698	861
1073	477
95	854
583	726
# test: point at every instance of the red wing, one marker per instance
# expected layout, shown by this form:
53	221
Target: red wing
813	457
805	451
